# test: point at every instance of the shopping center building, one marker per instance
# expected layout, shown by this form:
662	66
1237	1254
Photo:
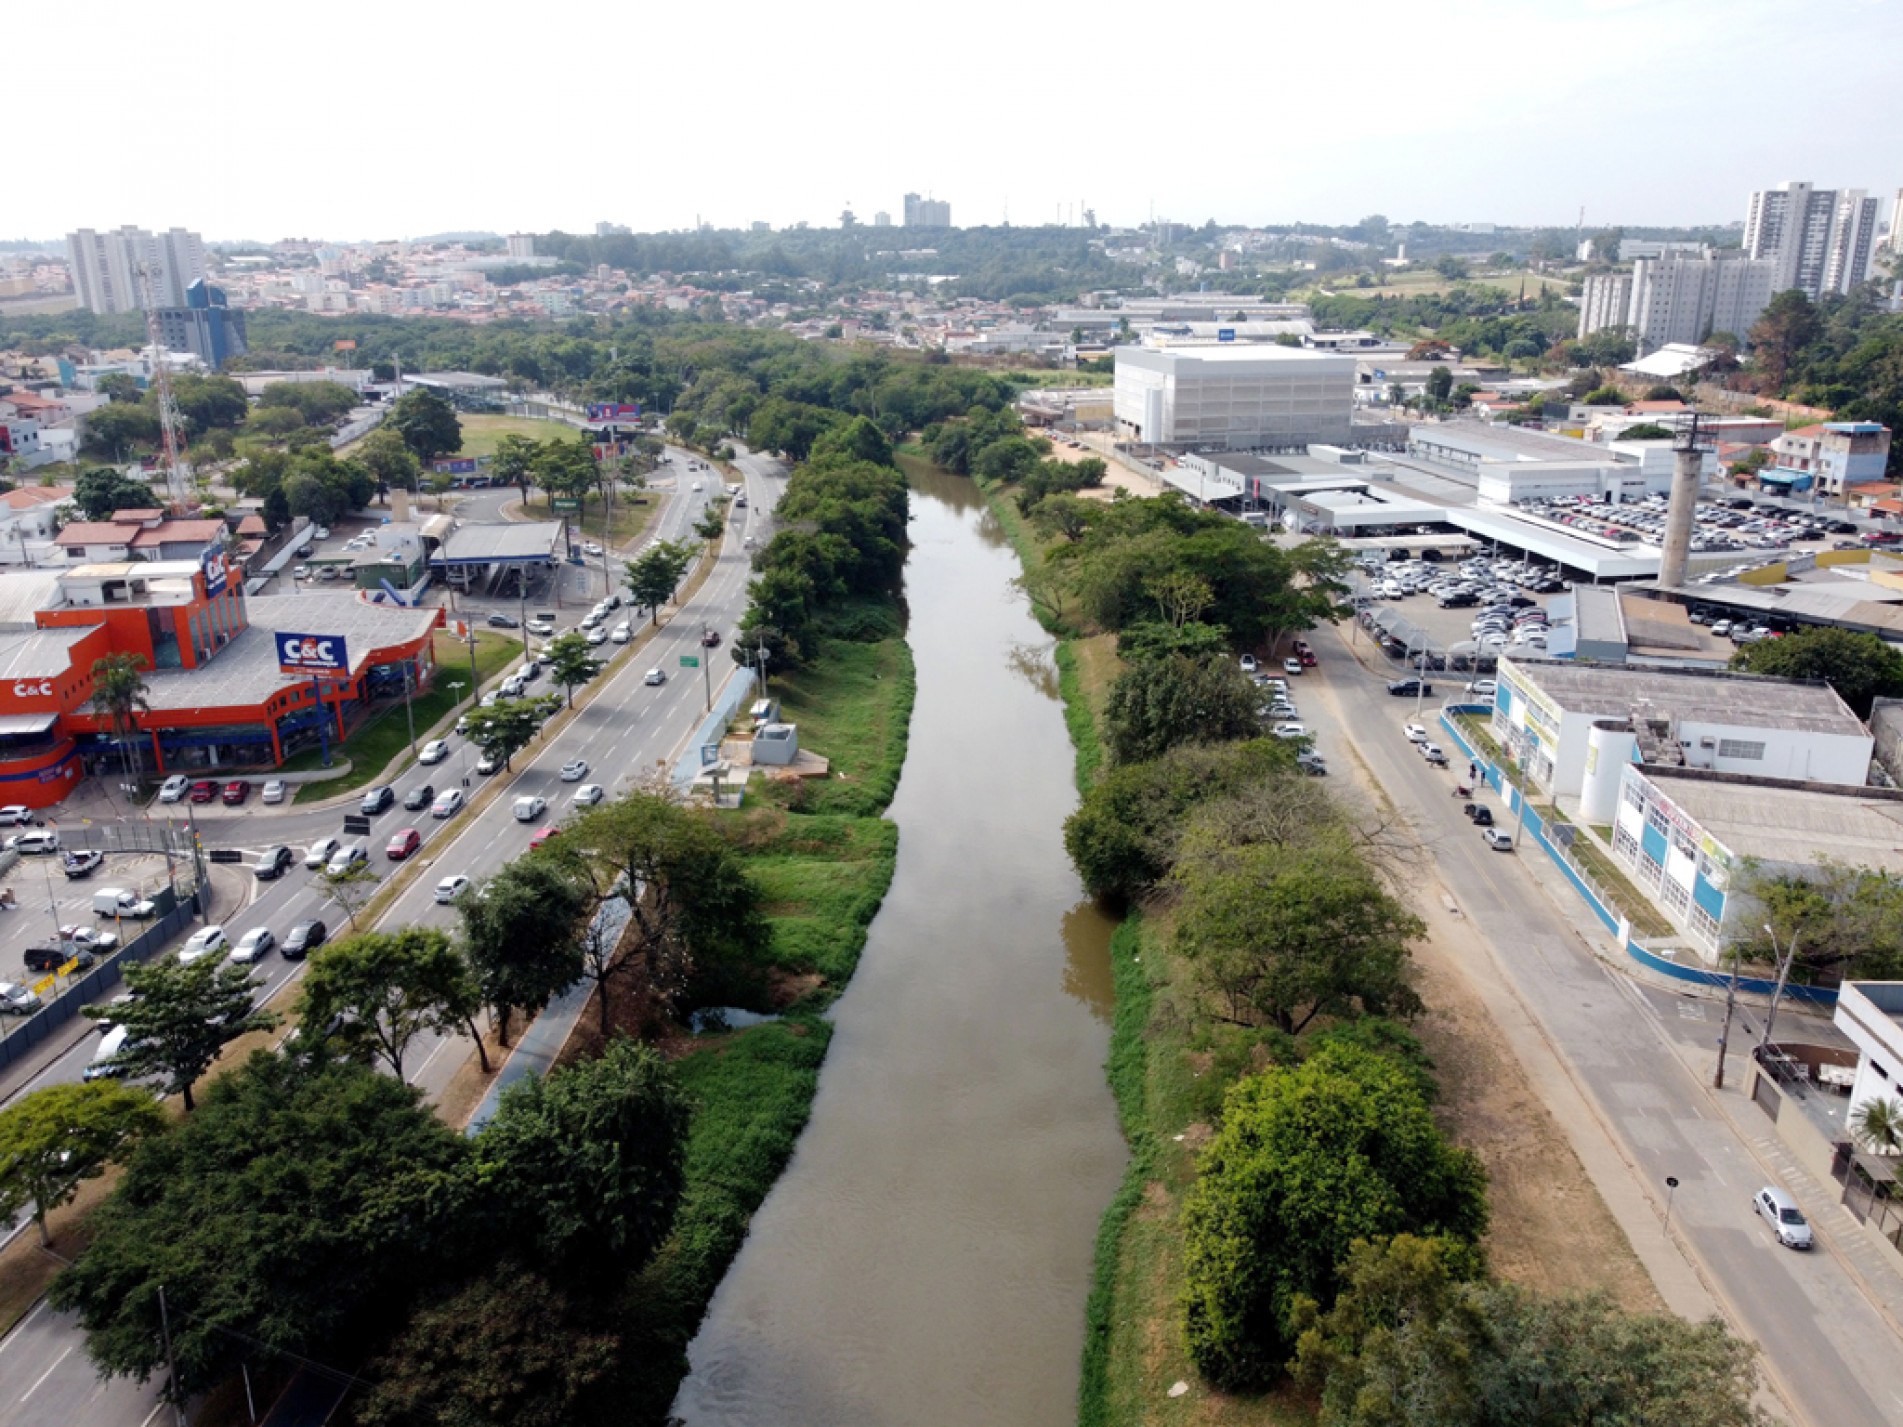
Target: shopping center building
222	693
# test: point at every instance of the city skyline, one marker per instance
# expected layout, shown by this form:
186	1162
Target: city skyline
1453	138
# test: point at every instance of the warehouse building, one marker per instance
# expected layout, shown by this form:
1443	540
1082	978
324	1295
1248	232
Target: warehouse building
1231	397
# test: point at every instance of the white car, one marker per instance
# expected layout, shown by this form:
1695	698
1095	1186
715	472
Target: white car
450	888
597	636
319	852
697	485
1249	665
435	751
345	858
623	632
206	941
588	794
276	791
1415	733
655	676
575	770
319	532
591	548
448	803
1291	730
541	628
528	808
172	790
1483	686
252	945
97	942
17	1000
301	572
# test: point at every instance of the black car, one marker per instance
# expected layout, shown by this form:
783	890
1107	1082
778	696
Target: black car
377	799
1479	813
82	864
502	621
51	958
302	939
419	798
275	863
1408	688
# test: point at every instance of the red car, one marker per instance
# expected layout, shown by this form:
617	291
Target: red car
710	639
204	791
542	835
403	844
236	791
1307	656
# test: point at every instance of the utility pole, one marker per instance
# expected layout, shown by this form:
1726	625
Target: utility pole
409	710
1784	961
1724	1036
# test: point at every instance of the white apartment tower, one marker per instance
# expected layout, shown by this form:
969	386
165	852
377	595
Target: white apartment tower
1818	239
106	267
521	245
1604	302
1679	296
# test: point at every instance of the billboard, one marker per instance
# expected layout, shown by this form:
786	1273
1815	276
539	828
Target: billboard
1225	334
460	466
312	654
212	562
614	411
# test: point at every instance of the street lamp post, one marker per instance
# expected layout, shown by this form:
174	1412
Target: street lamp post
1784	961
1724	1036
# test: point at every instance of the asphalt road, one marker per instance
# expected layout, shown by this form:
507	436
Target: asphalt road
1831	1353
622	734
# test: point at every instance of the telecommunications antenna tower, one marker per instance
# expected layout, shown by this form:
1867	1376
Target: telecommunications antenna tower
162	383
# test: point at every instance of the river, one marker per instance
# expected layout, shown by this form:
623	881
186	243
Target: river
925	1257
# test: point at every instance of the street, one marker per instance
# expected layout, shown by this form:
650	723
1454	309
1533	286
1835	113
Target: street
1828	1349
625	732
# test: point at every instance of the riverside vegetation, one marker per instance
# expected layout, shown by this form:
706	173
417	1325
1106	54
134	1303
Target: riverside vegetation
1295	1227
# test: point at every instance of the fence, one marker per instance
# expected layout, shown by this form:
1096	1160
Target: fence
174	913
1597	900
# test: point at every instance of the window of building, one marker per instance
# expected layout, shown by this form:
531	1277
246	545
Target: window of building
1704	924
1675	895
1877	1066
1740	748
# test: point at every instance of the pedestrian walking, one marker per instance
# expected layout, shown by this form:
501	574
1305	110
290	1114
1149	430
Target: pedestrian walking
1473	772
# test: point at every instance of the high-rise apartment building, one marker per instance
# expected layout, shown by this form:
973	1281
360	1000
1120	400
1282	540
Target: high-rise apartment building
926	212
1818	239
205	326
107	267
521	245
1679	297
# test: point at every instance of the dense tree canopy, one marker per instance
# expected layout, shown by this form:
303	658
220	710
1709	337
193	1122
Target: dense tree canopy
180	1017
427	424
1157	704
1860	667
54	1139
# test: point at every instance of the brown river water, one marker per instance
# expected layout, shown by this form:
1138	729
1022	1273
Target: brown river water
925	1258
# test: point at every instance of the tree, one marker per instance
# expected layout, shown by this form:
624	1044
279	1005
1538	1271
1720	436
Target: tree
653	577
593	1160
1786	327
1308	1160
1860	667
1440	384
1646	431
693	903
522	935
1605	396
510	726
427	424
570	662
384	989
119	694
1831	920
117	430
1876	1124
507	1349
1161	703
102	490
514	462
1417	1339
209	402
390	461
1286	933
181	1017
51	1140
297	1209
348	891
121	387
567	468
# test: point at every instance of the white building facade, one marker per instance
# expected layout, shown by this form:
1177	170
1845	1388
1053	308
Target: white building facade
1234	398
1871	1014
1684	298
106	267
1818	239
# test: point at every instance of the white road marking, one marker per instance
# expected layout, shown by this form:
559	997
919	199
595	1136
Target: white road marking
48	1373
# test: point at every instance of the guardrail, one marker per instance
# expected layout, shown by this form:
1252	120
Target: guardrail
81	990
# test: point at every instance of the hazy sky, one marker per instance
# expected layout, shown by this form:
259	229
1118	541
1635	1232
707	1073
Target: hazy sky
394	119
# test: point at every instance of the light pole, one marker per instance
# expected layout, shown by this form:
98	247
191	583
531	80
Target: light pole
462	748
1724	1036
1671	1188
1784	961
1519	819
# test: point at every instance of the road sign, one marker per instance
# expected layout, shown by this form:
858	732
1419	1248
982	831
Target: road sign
690	661
225	854
355	826
564	503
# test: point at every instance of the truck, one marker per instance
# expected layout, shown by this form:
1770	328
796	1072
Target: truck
119	902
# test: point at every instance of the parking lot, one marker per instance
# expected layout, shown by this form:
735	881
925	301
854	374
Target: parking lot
44	899
1735	523
1463	615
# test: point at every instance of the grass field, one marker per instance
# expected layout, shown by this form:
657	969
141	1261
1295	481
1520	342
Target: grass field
371	748
1428	282
633	514
853	705
481	431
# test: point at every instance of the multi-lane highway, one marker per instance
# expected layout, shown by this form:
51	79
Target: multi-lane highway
626	729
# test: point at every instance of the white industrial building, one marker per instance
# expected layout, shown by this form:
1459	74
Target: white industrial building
1686	838
1574	727
1234	398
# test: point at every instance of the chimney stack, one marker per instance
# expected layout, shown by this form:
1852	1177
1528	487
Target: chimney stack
1687	460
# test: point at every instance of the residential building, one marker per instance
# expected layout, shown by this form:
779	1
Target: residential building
137	535
1574	726
1818	239
1871	1014
1604	301
926	212
521	245
29	523
107	267
1679	298
1831	455
1632	249
882	219
1228	397
1687	838
206	326
612	230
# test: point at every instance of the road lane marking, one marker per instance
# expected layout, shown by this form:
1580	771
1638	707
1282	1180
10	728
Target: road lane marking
48	1373
154	1413
20	1327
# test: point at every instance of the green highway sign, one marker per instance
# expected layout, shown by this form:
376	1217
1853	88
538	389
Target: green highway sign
690	661
563	503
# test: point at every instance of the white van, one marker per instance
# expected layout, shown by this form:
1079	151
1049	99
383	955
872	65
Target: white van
118	902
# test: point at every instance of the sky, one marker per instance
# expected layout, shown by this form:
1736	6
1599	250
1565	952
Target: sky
413	117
